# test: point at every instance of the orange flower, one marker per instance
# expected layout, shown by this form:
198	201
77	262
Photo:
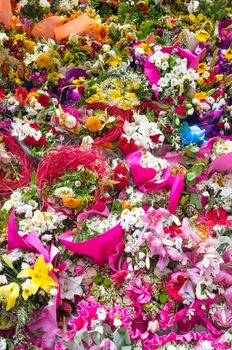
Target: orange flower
126	205
72	203
200	95
103	33
93	124
43	60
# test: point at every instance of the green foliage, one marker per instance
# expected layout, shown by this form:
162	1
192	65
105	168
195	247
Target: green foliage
214	8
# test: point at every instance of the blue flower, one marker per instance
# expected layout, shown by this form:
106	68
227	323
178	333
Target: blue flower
191	134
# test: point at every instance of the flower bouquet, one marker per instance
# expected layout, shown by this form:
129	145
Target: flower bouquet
95	236
15	166
151	174
71	179
170	70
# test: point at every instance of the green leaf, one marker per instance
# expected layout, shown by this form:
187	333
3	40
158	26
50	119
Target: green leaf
190	176
69	345
197	170
163	298
78	337
33	178
121	338
196	201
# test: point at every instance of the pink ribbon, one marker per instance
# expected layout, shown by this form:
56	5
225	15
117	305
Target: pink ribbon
144	180
99	209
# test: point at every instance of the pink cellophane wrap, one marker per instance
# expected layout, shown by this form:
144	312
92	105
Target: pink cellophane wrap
29	242
152	72
221	164
144	180
99	248
5	12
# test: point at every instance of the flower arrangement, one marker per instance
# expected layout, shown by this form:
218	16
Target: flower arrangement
115	169
15	166
75	184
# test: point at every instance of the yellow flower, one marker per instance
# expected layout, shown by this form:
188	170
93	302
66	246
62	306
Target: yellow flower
43	60
39	275
79	82
72	203
146	48
200	81
29	288
200	17
32	94
19	37
219	77
202	36
192	18
5	322
29	45
228	54
54	77
202	67
9	294
113	61
200	95
93	123
14	76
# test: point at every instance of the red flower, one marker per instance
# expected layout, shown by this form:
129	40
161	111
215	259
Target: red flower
43	100
172	288
118	278
1	93
215	217
121	175
210	80
180	110
81	89
173	231
127	146
21	95
30	141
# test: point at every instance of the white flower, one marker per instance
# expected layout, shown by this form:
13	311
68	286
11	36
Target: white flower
117	322
47	238
22	130
62	192
44	3
101	314
53	292
3	279
3	37
3	344
70	286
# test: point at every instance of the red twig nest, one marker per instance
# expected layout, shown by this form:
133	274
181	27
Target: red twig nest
117	131
66	159
24	167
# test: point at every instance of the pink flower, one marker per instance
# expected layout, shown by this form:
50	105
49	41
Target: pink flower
223	317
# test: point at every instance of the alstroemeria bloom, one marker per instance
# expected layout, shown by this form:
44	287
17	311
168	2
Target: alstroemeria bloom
40	277
9	294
